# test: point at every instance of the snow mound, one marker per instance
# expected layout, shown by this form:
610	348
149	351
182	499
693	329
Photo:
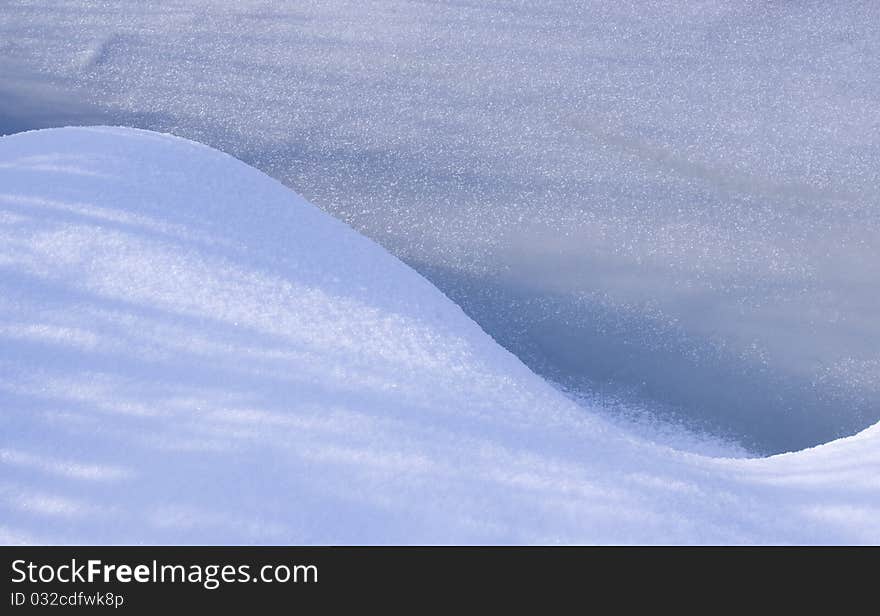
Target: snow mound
675	203
191	353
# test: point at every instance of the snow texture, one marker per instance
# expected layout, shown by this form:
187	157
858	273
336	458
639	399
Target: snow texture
191	353
672	204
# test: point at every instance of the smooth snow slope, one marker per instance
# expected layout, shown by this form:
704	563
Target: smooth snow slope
672	201
189	352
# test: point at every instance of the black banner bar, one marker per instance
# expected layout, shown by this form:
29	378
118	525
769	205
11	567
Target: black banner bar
153	579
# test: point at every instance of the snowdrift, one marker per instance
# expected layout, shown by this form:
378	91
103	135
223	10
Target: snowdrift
675	203
190	353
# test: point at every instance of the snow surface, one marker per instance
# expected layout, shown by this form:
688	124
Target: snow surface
189	352
672	203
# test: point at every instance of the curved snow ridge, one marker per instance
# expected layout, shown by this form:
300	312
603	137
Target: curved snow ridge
191	353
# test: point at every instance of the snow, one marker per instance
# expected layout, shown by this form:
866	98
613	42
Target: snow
191	353
673	204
